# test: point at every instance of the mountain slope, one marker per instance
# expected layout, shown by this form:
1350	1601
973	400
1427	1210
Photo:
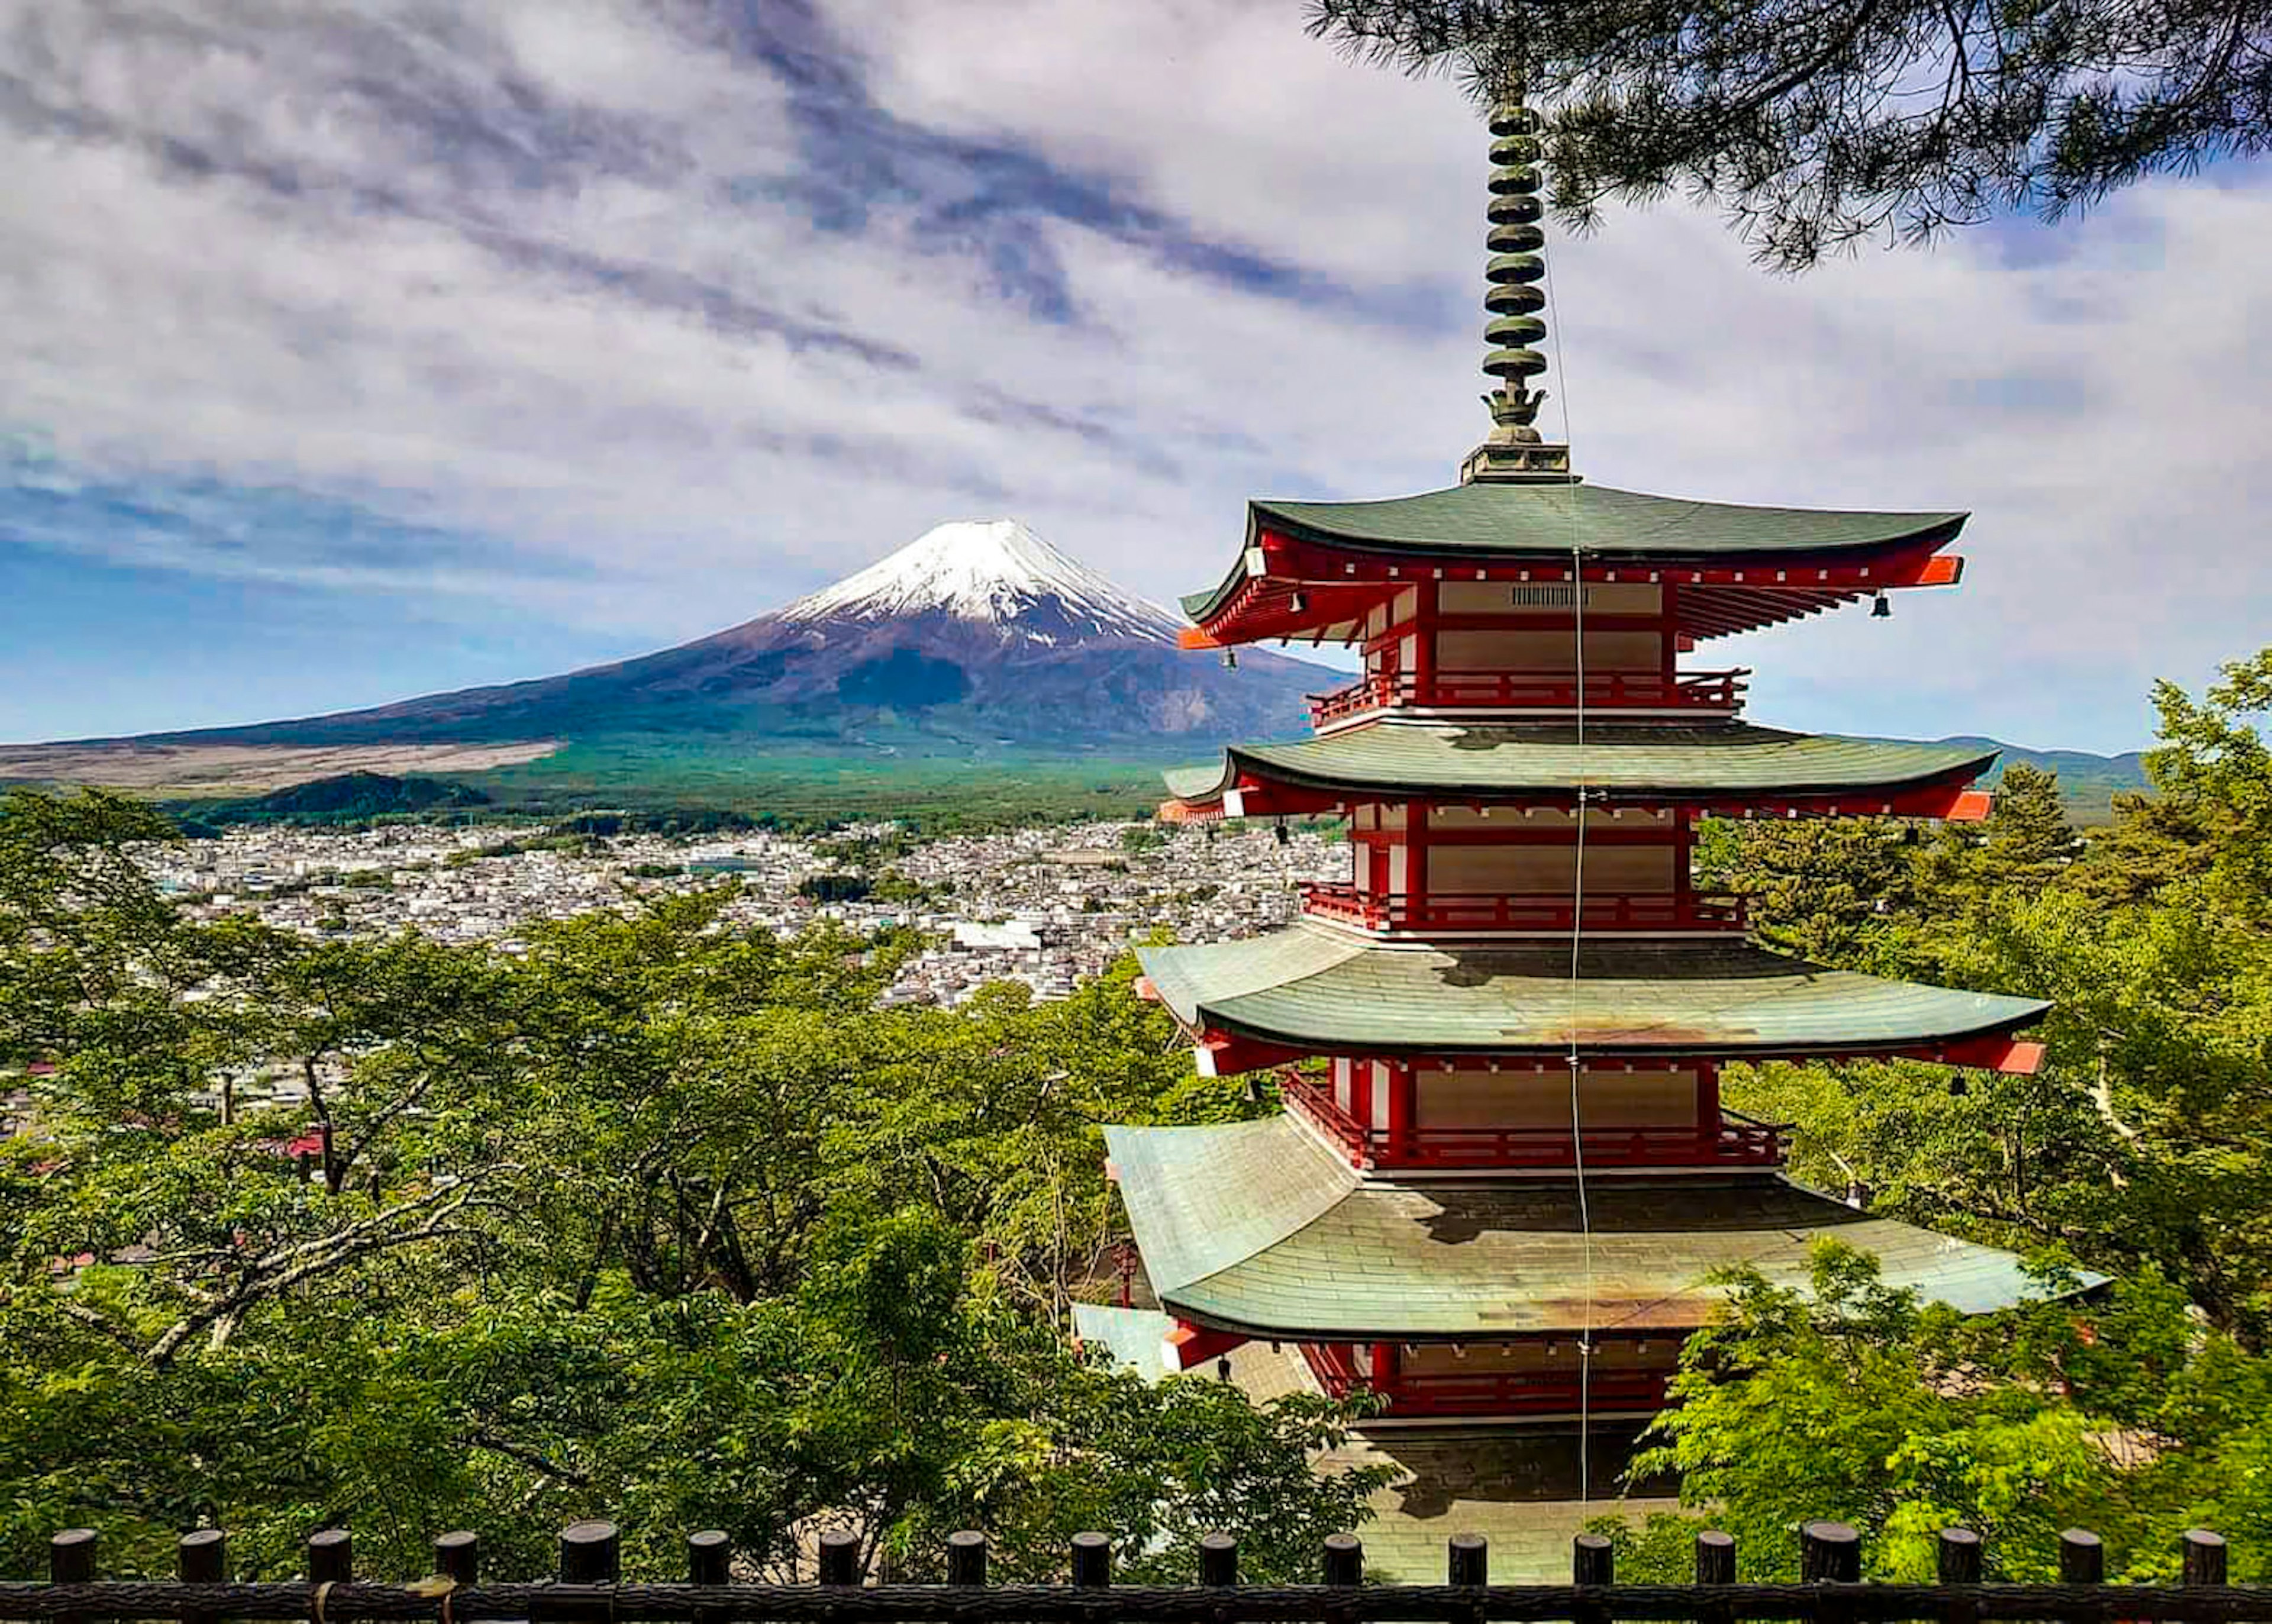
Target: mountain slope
975	635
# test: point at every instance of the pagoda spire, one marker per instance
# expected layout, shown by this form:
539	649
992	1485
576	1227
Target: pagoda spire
1515	300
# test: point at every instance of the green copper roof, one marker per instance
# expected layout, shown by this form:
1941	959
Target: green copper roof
1133	1335
1257	1227
1314	987
1634	761
1546	520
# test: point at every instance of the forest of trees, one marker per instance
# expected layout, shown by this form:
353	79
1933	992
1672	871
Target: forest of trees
2137	1151
672	1223
658	1221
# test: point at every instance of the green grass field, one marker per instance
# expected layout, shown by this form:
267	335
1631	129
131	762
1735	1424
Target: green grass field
937	791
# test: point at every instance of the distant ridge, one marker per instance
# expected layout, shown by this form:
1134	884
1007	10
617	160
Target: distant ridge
978	636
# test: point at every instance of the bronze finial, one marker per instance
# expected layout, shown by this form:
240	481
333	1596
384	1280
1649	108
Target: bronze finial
1516	301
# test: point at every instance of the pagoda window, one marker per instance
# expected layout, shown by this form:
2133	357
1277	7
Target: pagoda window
1477	651
1543	600
1552	871
1475	1096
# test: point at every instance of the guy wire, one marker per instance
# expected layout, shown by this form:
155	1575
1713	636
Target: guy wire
1581	796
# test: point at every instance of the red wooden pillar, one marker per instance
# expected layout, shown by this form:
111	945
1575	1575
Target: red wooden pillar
1669	651
1402	1099
1386	1371
1416	860
1707	1104
1684	848
1424	641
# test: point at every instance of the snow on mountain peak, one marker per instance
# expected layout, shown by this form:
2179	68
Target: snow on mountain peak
996	572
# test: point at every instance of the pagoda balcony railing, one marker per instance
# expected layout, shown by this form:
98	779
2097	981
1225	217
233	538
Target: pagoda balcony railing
1705	692
1733	1141
1686	910
1494	1393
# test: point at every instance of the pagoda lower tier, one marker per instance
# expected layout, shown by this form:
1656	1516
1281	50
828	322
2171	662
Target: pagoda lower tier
1471	1299
1315	989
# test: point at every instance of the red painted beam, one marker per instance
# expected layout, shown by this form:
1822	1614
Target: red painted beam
1337	587
2009	1055
1187	1346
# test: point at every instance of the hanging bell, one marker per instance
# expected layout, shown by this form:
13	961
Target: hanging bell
1230	656
1882	609
1285	836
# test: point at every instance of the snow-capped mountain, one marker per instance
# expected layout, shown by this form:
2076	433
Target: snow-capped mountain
977	635
995	573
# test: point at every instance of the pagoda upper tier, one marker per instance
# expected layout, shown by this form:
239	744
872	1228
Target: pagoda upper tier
1318	571
1722	766
1314	988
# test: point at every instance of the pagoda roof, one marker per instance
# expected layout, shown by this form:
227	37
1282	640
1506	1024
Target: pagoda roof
1546	520
1316	988
1257	1227
1644	762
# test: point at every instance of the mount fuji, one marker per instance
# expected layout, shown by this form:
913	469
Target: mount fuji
975	636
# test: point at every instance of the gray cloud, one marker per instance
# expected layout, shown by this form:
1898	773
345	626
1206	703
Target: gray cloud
702	306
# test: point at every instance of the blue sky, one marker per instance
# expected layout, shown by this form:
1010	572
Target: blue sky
356	351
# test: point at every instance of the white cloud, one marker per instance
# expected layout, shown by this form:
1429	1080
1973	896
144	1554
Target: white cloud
551	273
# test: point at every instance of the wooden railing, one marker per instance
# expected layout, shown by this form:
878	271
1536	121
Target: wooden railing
1704	692
1686	910
590	1589
1735	1141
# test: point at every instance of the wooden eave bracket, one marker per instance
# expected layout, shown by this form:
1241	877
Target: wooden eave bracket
1187	1346
2014	1056
1223	1054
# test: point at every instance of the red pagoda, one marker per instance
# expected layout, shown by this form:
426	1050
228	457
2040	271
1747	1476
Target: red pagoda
1502	1194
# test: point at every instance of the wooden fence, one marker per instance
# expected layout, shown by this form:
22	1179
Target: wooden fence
589	1588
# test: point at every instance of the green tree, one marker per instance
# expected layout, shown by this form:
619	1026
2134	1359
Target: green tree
1856	1401
659	1220
1815	125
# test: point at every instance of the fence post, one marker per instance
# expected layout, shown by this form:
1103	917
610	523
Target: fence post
966	1557
709	1557
458	1555
331	1557
591	1553
70	1561
1468	1560
202	1558
1957	1561
1344	1559
2083	1558
1593	1561
1218	1560
2204	1557
1829	1553
70	1557
840	1557
331	1561
1715	1564
709	1560
1092	1561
